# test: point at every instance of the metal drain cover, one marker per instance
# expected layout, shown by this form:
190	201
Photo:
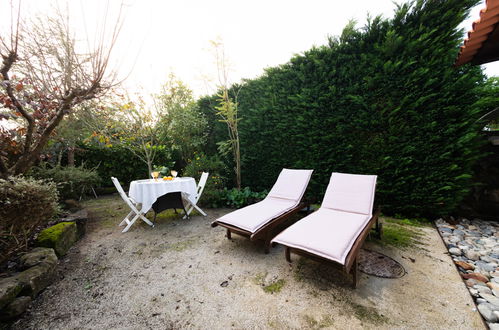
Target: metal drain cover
380	265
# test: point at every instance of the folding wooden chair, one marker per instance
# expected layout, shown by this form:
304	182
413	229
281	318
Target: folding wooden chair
132	205
192	201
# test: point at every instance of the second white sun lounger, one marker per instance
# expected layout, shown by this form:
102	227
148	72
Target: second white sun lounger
336	231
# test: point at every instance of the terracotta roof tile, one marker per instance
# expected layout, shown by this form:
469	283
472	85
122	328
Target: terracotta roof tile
480	32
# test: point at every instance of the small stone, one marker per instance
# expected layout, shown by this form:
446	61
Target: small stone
483	289
476	276
486	259
480	301
458	232
445	230
488	267
493	326
455	251
472	254
464	265
224	284
472	234
493	286
473	292
491	299
495	280
471	282
487	312
454	239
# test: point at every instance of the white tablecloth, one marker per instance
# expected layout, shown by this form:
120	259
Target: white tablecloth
147	191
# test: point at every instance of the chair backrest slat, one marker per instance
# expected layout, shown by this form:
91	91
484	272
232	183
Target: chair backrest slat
201	184
122	193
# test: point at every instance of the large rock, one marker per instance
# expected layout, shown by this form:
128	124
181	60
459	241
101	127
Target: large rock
80	218
15	308
59	237
37	256
37	278
10	287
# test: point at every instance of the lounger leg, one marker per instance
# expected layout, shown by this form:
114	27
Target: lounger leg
287	252
354	273
267	247
379	228
228	234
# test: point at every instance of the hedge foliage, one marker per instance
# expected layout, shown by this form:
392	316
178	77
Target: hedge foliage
384	99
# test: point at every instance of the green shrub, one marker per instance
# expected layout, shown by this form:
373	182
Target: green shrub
239	198
71	182
216	181
25	203
381	100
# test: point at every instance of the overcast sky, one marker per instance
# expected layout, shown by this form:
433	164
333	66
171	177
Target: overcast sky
159	37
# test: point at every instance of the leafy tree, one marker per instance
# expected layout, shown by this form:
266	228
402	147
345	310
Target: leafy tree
134	126
181	122
227	110
43	77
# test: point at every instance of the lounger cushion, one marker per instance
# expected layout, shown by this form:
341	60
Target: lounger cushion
285	195
326	233
254	216
291	184
350	193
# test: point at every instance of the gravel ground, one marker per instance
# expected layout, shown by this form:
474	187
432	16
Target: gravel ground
184	274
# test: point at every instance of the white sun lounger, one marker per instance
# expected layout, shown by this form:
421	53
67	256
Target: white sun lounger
336	231
256	221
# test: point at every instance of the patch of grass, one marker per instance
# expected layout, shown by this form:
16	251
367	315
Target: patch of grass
274	287
400	235
368	314
408	222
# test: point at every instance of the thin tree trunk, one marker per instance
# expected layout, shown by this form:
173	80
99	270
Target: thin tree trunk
71	156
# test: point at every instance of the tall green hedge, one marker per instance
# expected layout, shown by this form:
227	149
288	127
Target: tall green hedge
384	99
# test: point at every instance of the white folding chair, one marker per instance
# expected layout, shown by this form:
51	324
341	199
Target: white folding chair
132	205
192	201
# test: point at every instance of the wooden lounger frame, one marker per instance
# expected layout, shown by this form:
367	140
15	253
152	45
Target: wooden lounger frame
265	232
350	266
